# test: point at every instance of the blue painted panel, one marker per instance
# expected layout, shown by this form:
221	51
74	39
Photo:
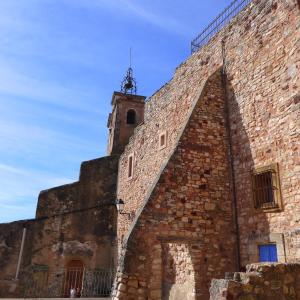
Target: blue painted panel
268	253
263	253
273	253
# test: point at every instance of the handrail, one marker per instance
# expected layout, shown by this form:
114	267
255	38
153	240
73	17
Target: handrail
218	23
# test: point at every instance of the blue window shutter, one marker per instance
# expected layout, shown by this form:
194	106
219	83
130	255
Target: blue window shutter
263	253
268	253
273	253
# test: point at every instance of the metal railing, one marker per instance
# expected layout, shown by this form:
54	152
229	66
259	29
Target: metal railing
67	283
264	190
218	23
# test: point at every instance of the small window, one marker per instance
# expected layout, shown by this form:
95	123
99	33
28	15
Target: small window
130	166
162	143
266	189
268	253
131	117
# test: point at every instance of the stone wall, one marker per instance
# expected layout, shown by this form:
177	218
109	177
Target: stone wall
76	221
265	123
184	234
260	282
96	186
10	245
119	130
80	219
262	61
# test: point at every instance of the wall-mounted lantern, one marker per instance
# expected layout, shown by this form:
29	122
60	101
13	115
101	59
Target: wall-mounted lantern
120	205
120	208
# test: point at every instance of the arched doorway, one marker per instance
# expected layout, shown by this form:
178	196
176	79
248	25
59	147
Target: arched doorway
73	278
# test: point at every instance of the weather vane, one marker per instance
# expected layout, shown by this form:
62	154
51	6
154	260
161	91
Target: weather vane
129	84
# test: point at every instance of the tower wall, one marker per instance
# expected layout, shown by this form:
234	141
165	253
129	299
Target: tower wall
119	129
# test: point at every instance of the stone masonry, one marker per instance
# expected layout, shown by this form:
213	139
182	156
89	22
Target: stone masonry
260	282
262	62
74	221
184	167
189	210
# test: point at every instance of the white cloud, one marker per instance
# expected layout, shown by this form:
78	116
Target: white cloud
13	82
20	189
165	22
131	9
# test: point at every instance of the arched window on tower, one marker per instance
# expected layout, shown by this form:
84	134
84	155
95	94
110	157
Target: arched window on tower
131	116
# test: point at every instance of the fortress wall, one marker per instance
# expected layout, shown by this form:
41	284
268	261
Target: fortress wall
183	237
262	63
10	244
262	60
75	221
96	186
167	110
265	121
62	235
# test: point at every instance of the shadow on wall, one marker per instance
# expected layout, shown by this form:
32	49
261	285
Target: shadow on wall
185	236
249	194
178	280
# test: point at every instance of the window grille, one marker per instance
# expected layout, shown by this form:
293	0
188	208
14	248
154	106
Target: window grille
266	189
88	283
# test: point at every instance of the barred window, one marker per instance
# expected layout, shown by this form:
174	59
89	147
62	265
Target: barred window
266	189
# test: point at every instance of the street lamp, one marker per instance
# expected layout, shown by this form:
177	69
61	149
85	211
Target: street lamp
120	205
120	208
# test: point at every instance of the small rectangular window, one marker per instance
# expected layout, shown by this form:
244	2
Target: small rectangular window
266	189
162	140
130	166
268	253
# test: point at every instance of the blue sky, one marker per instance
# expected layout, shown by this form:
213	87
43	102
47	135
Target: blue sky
60	61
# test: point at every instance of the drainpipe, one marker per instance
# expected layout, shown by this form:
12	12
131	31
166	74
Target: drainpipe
20	254
231	165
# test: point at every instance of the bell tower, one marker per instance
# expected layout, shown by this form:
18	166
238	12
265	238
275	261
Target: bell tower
127	113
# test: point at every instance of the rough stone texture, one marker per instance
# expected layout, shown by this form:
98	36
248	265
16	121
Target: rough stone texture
262	61
10	243
119	130
260	282
75	221
178	230
181	241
